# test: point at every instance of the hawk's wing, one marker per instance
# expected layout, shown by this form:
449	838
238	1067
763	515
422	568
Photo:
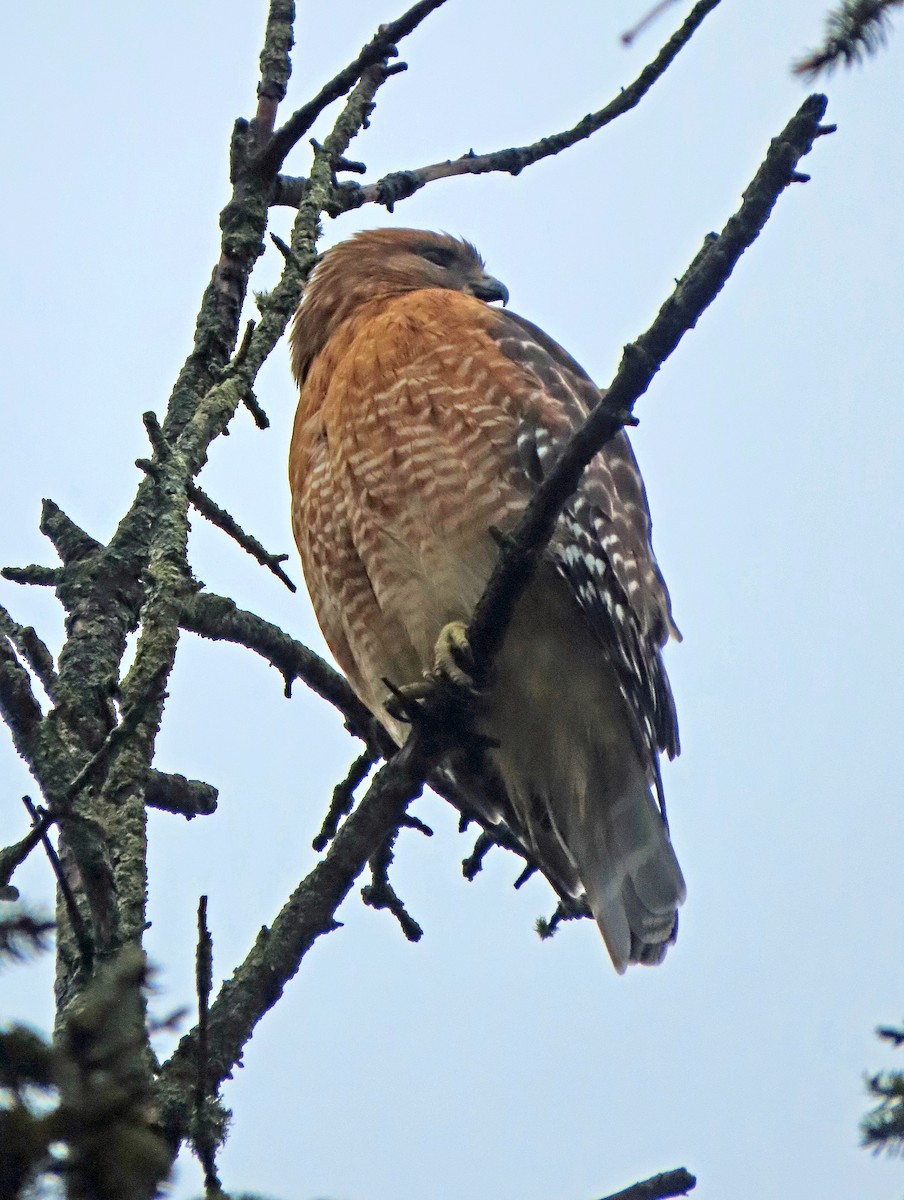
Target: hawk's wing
602	545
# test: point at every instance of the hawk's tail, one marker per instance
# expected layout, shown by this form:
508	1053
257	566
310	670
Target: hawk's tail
631	877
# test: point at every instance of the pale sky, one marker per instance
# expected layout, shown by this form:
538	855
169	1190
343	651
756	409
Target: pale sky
482	1062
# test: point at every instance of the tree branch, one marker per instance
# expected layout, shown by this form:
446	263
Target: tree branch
658	1187
647	19
12	857
275	66
223	520
399	185
18	706
381	47
33	574
343	799
380	893
694	292
175	794
71	543
218	618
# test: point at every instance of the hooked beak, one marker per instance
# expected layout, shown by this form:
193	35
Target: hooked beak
489	289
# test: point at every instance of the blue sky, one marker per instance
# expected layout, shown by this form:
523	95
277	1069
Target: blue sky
482	1062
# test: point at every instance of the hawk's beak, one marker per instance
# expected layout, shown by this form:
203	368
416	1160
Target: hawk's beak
489	289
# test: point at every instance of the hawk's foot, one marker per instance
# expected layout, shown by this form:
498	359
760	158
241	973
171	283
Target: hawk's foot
452	657
447	695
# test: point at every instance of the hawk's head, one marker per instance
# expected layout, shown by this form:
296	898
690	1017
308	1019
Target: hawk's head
382	263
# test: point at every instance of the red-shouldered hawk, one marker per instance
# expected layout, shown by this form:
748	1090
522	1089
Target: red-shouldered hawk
426	420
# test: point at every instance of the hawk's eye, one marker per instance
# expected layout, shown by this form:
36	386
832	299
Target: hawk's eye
440	256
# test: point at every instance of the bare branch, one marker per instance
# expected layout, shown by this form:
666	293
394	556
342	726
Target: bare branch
276	67
207	1133
18	706
29	645
34	574
399	185
83	937
218	618
70	542
343	799
474	862
379	893
175	794
222	519
658	1187
381	47
13	856
694	292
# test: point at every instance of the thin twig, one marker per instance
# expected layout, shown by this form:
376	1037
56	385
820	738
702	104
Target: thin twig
204	986
343	799
399	185
223	520
127	725
205	1138
18	706
83	937
645	21
12	857
379	893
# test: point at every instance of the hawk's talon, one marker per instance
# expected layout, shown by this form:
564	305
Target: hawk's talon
452	657
447	692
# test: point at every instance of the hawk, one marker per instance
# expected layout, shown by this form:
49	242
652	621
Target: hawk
426	420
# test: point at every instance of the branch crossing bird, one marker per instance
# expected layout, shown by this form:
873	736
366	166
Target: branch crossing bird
427	418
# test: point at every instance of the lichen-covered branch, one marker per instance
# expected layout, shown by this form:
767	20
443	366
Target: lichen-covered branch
18	706
175	794
30	646
381	47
